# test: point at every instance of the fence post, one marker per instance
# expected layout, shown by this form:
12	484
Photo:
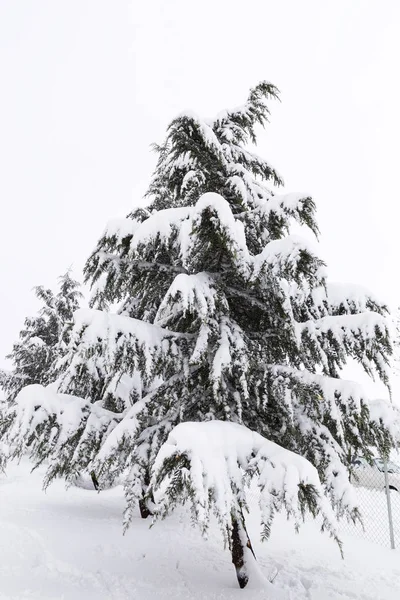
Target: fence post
389	504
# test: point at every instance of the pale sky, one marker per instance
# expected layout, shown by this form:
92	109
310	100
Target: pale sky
88	85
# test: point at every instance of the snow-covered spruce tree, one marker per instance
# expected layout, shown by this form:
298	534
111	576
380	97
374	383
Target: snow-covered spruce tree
43	339
224	315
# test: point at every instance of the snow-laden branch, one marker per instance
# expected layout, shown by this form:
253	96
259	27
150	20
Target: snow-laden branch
188	294
364	336
344	401
43	420
290	257
212	463
339	298
107	257
107	347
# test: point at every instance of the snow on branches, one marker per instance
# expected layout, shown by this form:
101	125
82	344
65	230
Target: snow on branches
213	463
333	339
117	359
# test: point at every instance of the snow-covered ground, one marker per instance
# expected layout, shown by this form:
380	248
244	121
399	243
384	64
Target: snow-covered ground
69	545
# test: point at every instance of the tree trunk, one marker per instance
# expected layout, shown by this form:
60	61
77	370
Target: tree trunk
240	548
145	501
94	481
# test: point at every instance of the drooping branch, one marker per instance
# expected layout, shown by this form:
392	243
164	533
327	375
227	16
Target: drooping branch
142	264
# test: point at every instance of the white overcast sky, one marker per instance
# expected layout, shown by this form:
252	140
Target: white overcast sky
88	85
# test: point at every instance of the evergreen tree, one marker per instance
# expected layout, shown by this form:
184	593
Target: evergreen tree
43	339
224	315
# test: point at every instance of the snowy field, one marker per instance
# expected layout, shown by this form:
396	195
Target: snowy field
69	545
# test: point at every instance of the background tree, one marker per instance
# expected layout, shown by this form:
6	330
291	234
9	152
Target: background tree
223	315
43	339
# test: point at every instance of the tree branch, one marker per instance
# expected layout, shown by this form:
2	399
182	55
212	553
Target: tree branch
143	264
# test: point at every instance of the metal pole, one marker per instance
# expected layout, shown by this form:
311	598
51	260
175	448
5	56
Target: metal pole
389	504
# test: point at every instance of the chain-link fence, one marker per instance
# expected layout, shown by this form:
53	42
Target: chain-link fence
377	486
